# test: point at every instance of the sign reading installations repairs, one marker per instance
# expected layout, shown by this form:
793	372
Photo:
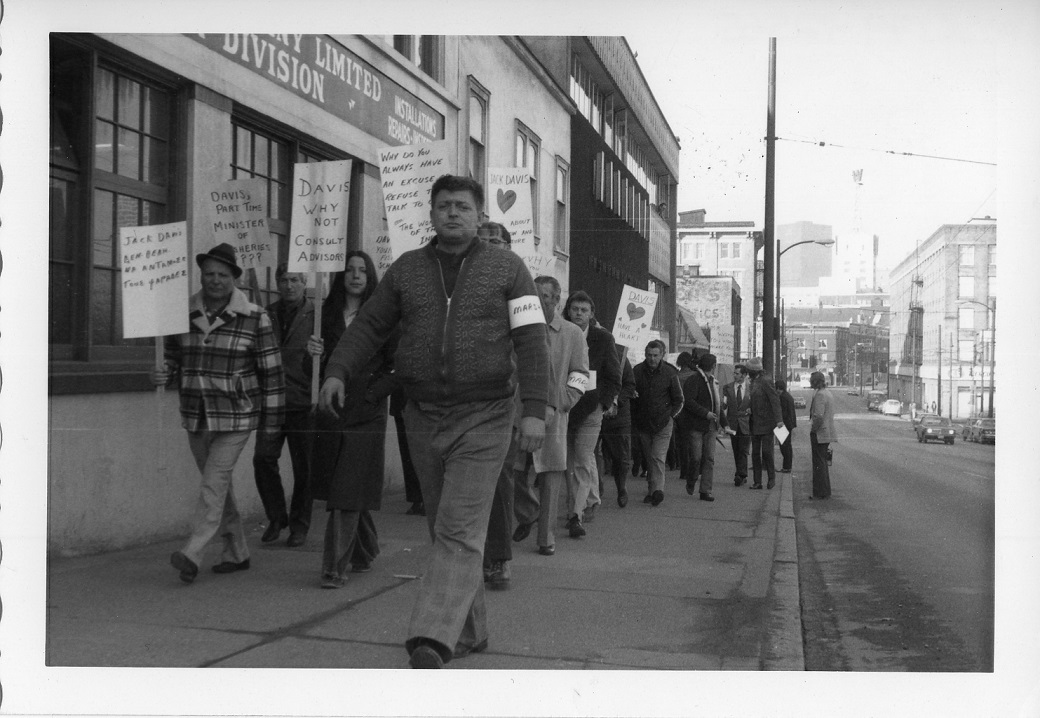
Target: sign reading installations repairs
407	174
318	233
325	73
236	212
634	315
154	263
509	203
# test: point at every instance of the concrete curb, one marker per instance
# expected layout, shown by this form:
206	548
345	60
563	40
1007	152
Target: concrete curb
783	649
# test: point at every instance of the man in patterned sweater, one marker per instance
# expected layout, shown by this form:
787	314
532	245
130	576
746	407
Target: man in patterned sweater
462	308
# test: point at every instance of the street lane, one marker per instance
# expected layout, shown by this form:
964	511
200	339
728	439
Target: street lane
897	567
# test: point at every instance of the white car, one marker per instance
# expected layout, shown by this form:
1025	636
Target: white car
891	407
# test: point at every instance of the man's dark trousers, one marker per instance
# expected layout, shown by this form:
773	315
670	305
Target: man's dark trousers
268	479
740	444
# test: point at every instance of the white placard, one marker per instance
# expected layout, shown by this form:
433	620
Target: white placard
508	202
407	174
781	433
154	285
235	212
710	300
634	315
384	255
318	232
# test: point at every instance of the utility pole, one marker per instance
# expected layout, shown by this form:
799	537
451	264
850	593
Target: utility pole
769	247
938	375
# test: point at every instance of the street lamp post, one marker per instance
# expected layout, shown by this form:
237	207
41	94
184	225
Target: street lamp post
780	253
991	327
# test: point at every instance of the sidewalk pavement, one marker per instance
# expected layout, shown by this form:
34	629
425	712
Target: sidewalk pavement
687	585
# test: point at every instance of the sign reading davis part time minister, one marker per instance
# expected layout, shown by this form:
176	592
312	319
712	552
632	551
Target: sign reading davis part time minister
325	73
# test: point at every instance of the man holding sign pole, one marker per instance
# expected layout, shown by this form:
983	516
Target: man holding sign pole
230	379
462	309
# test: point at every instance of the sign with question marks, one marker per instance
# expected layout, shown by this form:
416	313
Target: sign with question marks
235	212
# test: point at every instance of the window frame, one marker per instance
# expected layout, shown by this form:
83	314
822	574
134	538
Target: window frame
531	143
482	96
561	217
966	286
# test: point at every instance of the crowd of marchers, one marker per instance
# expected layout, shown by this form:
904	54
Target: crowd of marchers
504	404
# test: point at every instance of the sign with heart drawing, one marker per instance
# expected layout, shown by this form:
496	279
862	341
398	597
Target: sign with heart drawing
509	204
634	315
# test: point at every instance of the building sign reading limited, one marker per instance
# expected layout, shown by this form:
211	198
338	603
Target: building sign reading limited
322	71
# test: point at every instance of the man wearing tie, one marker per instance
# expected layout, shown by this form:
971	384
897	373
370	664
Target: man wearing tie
736	407
702	412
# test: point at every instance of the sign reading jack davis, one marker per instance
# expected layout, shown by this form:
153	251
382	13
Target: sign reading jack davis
154	263
509	203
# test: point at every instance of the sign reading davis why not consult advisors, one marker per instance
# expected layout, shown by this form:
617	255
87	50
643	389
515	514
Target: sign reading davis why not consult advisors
154	286
318	233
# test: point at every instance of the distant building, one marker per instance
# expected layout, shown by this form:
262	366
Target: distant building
725	249
812	261
944	303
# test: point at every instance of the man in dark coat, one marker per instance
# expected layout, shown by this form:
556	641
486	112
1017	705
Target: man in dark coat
787	411
736	408
660	400
586	417
765	416
616	432
701	412
292	318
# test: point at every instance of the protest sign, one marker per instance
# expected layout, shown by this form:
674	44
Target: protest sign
154	263
407	174
710	301
235	212
384	256
634	315
318	232
509	204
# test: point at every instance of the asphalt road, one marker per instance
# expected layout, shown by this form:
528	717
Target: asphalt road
897	567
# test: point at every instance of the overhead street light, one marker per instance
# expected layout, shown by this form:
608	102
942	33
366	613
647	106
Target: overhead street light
780	253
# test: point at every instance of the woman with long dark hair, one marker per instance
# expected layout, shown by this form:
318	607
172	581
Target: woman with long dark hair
349	447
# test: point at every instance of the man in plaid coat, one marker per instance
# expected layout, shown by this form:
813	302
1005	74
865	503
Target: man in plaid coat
230	380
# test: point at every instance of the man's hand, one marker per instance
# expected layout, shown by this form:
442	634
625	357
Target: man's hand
532	433
160	376
712	416
611	411
332	395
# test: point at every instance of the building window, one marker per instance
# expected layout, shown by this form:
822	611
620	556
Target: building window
698	250
993	255
109	168
425	51
967	255
966	287
260	154
560	241
723	250
527	155
479	99
992	291
736	250
608	120
966	318
966	350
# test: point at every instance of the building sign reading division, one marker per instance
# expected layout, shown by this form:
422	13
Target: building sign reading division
322	71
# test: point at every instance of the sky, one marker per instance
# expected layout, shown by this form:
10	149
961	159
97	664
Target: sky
863	90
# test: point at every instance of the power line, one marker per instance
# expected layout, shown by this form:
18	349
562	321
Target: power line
887	152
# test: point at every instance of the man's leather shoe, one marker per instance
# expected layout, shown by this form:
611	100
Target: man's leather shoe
418	508
785	471
756	486
296	539
331	580
424	656
707	497
689	487
462	651
497	575
188	568
770	484
523	530
231	566
656	498
574	527
648	498
547	550
622	499
273	530
588	514
360	567
740	481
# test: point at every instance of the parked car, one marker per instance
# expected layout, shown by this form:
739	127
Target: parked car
891	407
983	431
799	402
935	427
874	400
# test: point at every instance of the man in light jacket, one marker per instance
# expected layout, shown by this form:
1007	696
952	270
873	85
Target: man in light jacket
821	434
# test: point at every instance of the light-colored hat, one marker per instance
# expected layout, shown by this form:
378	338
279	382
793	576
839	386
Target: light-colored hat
754	364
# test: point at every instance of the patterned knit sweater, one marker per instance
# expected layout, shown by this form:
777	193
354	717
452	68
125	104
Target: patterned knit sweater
458	349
